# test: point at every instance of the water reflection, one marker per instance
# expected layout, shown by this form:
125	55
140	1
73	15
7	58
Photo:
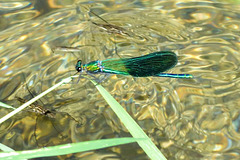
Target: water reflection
185	118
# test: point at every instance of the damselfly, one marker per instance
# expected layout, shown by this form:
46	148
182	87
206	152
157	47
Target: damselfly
153	64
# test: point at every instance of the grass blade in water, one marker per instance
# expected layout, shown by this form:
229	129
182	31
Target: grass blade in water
68	148
147	145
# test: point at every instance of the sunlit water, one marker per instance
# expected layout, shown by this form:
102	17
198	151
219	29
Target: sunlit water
186	118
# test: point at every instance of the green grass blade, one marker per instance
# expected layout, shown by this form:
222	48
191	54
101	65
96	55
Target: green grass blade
68	148
6	105
147	145
5	148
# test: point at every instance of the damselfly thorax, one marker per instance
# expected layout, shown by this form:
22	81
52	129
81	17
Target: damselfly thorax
91	67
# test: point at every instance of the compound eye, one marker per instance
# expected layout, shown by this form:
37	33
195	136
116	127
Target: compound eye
79	69
79	66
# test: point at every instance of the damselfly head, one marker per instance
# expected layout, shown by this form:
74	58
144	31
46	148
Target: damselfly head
79	66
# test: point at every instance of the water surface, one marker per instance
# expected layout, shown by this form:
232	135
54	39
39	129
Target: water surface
186	118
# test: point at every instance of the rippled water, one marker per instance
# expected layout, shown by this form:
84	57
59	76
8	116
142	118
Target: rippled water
186	118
